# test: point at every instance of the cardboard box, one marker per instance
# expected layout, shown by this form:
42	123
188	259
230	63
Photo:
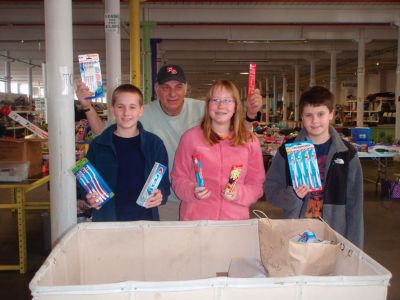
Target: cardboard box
23	150
360	134
180	260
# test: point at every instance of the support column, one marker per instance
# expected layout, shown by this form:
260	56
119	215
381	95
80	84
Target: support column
59	58
267	100
29	72
284	97
397	94
296	93
113	49
44	80
7	73
274	91
312	71
154	63
361	80
332	83
134	42
147	26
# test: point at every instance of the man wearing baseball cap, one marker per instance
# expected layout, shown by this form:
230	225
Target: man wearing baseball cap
168	117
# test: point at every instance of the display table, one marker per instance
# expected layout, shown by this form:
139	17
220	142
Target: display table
381	160
19	190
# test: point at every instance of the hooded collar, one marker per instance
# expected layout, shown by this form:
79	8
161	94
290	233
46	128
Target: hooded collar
106	137
337	142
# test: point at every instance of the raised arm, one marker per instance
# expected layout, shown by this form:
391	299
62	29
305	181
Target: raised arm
82	92
254	104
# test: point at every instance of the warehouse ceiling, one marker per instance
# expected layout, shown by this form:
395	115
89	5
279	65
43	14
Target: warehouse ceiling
218	39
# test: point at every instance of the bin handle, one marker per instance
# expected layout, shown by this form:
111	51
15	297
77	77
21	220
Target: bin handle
260	214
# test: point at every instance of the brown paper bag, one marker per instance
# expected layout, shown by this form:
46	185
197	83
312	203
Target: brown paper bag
282	256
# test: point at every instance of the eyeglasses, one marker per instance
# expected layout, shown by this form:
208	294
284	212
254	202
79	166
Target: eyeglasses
225	101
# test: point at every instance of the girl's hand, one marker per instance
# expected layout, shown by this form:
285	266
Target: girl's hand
201	193
154	200
94	200
301	191
230	196
254	103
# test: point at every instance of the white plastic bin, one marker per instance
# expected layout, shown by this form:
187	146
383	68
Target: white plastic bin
14	171
180	260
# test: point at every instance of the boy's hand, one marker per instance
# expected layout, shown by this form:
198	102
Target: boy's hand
154	200
301	191
82	92
201	193
94	200
230	196
81	206
254	103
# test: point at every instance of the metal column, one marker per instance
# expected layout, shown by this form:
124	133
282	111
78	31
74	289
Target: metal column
113	49
397	95
60	93
296	93
134	42
267	100
147	26
7	73
284	98
361	80
332	83
29	71
312	72
275	96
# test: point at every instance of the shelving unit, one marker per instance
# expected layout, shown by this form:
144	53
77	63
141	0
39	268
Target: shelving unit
350	113
20	104
377	110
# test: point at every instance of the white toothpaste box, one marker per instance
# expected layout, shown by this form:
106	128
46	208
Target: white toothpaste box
152	182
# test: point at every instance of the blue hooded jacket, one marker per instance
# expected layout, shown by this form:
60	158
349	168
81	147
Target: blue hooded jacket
102	154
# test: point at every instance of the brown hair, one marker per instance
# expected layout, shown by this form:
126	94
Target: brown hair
241	134
126	88
317	96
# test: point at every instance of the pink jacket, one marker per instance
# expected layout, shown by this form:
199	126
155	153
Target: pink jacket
217	163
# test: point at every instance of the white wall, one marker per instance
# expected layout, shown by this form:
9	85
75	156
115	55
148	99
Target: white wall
390	82
375	83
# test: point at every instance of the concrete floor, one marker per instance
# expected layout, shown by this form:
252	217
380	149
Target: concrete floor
382	236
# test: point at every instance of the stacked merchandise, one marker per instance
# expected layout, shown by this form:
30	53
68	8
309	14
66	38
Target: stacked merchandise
361	137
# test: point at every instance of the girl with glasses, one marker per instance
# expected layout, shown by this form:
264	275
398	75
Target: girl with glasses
230	158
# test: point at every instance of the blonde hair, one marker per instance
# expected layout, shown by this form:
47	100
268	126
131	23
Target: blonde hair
241	135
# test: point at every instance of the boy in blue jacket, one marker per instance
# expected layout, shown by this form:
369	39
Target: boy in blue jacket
340	203
124	155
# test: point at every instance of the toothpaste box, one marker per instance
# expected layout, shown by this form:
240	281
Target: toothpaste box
303	165
152	182
89	67
91	181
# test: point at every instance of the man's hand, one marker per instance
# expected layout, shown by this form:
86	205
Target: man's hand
254	103
82	92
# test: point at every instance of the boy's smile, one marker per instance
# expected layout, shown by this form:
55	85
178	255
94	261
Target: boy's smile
316	121
127	111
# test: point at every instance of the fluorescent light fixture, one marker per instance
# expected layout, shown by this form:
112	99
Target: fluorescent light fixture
244	60
244	73
300	41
